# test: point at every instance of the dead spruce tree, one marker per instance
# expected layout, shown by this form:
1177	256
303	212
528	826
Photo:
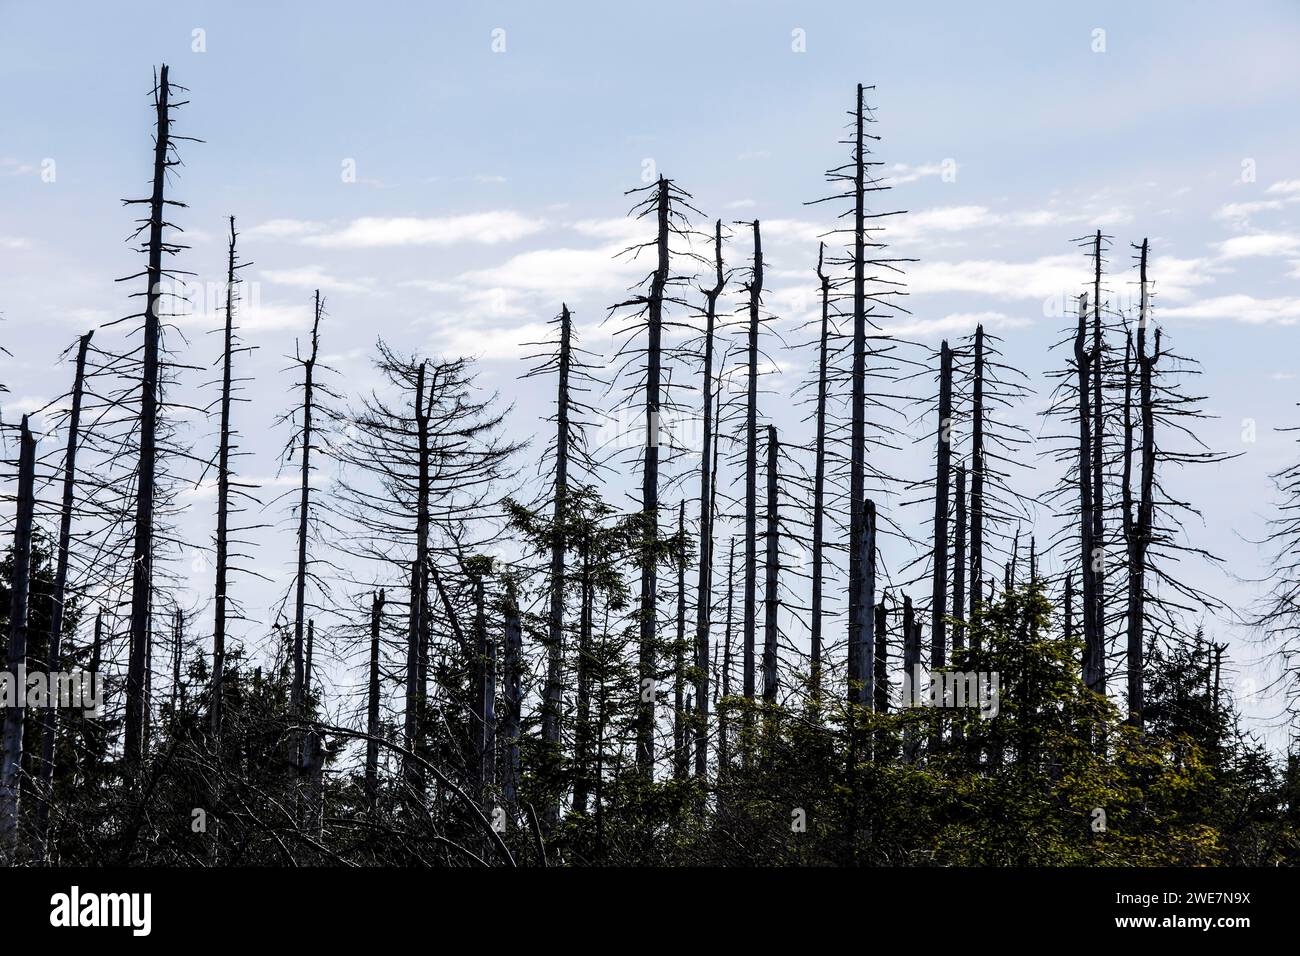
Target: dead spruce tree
869	293
772	571
708	484
54	663
647	370
1160	601
574	471
305	446
754	292
232	495
155	246
942	505
986	389
819	477
11	734
419	488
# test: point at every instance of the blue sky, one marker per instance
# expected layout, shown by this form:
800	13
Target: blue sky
489	185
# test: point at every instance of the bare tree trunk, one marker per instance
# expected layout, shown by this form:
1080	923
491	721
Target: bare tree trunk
304	504
681	761
911	673
372	702
142	555
312	767
771	582
49	725
1143	533
881	661
858	402
551	702
880	684
704	590
943	469
1098	449
646	663
862	655
11	740
724	739
819	486
178	642
417	621
977	479
1094	662
749	607
487	691
582	736
223	503
512	667
959	566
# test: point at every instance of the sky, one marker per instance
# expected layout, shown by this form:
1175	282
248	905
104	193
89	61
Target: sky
448	174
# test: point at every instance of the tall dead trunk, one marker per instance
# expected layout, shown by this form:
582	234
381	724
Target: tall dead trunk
1143	532
582	736
217	705
880	683
178	646
306	673
11	739
749	607
943	469
513	694
749	602
304	505
1098	445
681	740
863	692
1094	663
724	738
49	724
647	668
708	468
959	566
881	659
977	478
418	612
819	484
313	749
858	401
372	702
911	673
143	546
772	577
485	652
551	700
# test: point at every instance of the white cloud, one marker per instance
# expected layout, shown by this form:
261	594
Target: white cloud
313	277
900	173
1042	278
1260	244
953	323
1240	308
488	228
557	271
282	229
